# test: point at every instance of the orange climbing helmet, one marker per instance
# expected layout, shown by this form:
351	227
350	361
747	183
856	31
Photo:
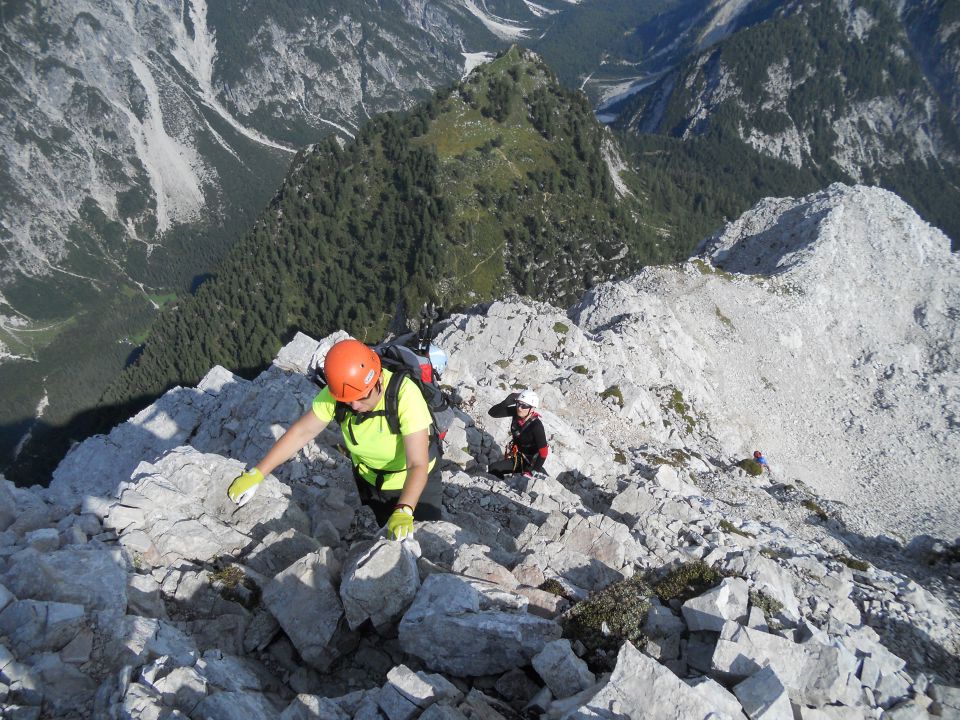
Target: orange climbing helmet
351	369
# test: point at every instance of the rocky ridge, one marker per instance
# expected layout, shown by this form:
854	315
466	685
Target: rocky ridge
133	588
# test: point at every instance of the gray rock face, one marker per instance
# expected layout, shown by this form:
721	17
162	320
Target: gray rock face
467	627
563	672
90	576
764	696
814	674
407	694
196	520
639	682
379	583
34	626
727	601
307	606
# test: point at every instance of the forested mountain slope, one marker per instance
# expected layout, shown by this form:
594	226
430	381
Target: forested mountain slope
859	91
139	141
502	183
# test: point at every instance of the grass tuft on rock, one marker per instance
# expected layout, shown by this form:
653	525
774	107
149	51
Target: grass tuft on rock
613	392
729	527
770	607
853	563
687	581
750	467
554	587
815	509
234	585
604	620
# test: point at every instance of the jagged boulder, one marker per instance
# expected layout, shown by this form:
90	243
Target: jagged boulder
764	697
641	682
92	576
305	602
813	673
379	582
710	611
406	694
35	626
563	672
467	627
180	507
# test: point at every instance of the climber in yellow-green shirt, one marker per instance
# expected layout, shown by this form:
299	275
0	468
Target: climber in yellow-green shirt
397	475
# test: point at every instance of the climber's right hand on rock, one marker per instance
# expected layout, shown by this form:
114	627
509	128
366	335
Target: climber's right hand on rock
244	486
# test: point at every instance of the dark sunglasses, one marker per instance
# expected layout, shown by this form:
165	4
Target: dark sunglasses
523	406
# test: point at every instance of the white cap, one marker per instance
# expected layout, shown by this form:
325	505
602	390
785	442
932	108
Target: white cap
529	397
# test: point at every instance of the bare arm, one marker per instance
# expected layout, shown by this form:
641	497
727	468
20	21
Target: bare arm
297	435
416	446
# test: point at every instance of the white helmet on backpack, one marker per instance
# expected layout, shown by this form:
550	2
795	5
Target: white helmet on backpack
438	358
529	397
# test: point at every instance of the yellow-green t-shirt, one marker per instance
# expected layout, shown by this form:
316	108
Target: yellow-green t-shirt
376	448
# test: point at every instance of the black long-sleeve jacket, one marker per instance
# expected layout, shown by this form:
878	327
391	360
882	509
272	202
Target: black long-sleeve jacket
528	435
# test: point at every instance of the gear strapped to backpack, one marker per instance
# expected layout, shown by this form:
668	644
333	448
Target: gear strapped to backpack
402	362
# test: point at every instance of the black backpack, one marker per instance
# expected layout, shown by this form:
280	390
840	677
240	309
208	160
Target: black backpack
402	362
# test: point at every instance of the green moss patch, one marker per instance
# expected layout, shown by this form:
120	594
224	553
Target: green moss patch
853	563
614	392
560	328
771	607
815	509
554	587
723	318
729	527
687	581
503	364
679	406
233	585
750	467
608	618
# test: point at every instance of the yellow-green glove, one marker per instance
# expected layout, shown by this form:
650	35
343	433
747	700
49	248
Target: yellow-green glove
400	523
243	488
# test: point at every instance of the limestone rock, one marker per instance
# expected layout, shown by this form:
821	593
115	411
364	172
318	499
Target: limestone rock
307	606
91	576
34	626
641	682
814	674
467	627
727	601
563	672
763	696
406	693
379	583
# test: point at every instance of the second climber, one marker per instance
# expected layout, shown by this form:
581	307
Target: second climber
527	448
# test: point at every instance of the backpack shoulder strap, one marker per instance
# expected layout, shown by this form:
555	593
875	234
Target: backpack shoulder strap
391	400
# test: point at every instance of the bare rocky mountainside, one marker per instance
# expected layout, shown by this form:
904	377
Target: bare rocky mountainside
648	574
